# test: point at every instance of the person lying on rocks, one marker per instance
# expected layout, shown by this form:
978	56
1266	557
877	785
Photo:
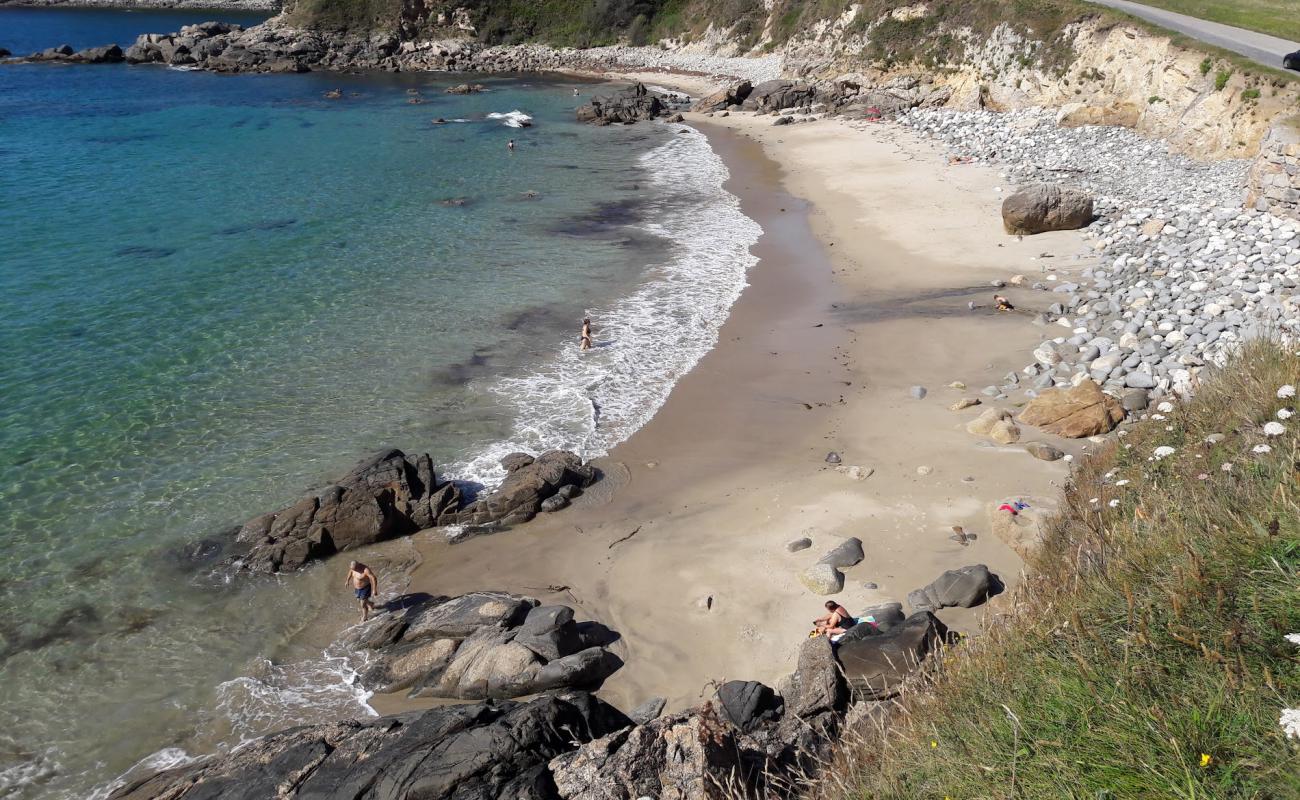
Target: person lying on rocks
837	620
365	585
1003	303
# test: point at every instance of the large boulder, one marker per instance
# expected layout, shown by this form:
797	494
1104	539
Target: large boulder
817	685
1044	207
389	494
528	483
822	579
1025	530
483	750
748	703
777	94
877	665
691	755
625	107
964	587
732	95
481	645
846	554
1074	412
108	54
550	632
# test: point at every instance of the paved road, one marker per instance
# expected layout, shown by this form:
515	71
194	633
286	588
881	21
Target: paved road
1259	47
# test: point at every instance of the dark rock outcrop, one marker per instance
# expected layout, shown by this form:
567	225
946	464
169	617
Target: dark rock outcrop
481	645
778	94
964	587
529	481
877	664
109	54
1043	207
485	750
625	107
723	99
386	495
846	554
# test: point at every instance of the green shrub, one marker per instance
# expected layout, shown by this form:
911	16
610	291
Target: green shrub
1206	65
1144	655
1221	80
1155	98
1250	94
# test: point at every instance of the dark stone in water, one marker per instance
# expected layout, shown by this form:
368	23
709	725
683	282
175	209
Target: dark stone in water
79	621
604	219
268	225
140	251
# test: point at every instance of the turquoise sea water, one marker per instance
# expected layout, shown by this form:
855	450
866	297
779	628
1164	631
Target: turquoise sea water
217	291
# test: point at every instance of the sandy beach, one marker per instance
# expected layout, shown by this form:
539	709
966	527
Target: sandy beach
873	247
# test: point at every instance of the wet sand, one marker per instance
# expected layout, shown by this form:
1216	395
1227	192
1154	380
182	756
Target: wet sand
873	246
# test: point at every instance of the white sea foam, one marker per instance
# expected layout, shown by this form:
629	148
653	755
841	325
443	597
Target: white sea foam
22	769
644	343
277	696
512	119
164	759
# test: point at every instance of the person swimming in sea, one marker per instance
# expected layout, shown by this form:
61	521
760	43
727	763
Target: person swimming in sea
585	338
510	145
364	584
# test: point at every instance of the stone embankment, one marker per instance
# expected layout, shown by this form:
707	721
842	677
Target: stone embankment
1173	274
1274	180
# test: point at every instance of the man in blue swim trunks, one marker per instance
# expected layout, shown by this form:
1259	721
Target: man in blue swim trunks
364	583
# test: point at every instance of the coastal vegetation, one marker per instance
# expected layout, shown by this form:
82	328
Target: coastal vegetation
1147	652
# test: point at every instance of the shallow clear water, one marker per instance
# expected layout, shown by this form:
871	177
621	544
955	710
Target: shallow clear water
217	291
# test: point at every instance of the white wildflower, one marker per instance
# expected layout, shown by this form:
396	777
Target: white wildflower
1122	482
1163	451
1169	427
1290	722
1068	457
1285	413
1286	391
1293	638
1113	503
1165	407
1227	466
1274	429
1261	448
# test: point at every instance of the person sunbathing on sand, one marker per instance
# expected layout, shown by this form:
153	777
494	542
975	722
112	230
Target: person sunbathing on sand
585	339
1003	303
836	621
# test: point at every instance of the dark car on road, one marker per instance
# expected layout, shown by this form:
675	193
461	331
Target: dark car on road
1292	61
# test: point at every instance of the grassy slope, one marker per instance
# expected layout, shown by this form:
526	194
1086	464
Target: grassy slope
1145	658
1275	17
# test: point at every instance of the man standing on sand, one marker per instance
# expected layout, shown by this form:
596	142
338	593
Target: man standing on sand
364	583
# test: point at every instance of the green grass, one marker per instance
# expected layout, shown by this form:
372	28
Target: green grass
1145	655
1275	17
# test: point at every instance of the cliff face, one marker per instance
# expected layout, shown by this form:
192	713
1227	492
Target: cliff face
1001	54
1093	69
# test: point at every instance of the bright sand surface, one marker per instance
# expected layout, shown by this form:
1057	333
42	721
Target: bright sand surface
873	247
